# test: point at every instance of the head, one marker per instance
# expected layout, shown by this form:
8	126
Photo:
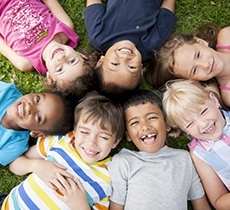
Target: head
194	109
120	69
99	127
145	121
186	56
47	113
69	71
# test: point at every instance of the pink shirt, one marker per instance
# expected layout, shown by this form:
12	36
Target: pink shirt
28	26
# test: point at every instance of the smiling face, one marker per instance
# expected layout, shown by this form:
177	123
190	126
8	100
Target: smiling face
207	124
198	62
36	112
122	65
146	127
63	63
91	141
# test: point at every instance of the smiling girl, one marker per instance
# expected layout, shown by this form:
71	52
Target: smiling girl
32	112
203	55
196	111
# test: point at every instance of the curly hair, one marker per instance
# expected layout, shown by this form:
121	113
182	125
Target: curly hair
65	119
80	85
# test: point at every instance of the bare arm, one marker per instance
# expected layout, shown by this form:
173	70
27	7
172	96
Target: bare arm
31	161
169	4
90	2
201	204
23	64
115	206
57	10
216	191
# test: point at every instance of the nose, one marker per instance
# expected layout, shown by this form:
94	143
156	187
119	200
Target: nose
124	55
30	108
202	123
203	65
61	57
145	126
92	140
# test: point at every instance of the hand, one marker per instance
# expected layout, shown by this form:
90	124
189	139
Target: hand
51	169
73	194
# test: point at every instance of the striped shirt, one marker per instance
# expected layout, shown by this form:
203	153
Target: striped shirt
34	194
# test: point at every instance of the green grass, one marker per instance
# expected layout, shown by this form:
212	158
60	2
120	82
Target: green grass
190	13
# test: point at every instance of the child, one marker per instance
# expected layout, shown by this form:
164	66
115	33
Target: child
195	110
39	34
99	126
127	32
156	176
187	56
32	112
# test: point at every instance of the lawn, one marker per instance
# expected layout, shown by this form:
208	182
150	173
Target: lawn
190	13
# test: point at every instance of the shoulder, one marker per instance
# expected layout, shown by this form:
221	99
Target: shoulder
223	36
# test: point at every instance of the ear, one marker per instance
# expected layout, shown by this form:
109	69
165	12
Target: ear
49	79
128	136
100	61
213	97
168	128
36	134
116	143
201	41
82	55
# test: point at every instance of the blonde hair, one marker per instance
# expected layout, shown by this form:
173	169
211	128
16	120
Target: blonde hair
183	97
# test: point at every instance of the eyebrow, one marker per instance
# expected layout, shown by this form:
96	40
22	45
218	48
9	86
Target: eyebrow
103	130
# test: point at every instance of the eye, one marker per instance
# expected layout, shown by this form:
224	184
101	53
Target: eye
104	137
204	111
84	132
189	125
38	98
198	55
59	69
152	118
133	123
131	67
114	63
194	71
39	118
71	61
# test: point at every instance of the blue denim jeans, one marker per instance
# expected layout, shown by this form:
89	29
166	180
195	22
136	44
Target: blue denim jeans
2	198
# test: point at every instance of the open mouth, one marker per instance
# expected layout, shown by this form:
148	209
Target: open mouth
90	152
125	50
56	52
210	129
20	110
149	138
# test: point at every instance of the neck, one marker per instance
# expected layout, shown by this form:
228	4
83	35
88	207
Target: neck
7	123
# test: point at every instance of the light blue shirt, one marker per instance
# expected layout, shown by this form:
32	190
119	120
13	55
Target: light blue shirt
12	143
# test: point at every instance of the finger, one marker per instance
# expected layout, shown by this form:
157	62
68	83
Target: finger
60	165
80	186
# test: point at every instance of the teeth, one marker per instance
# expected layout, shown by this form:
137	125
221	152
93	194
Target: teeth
148	136
209	129
125	50
90	152
56	52
19	110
